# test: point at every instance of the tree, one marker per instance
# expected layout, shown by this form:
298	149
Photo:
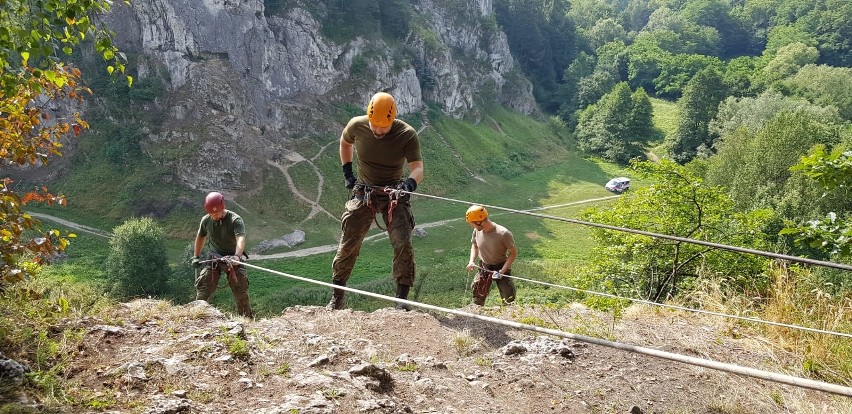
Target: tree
833	171
137	263
754	165
831	25
825	86
698	106
678	203
617	126
32	36
788	61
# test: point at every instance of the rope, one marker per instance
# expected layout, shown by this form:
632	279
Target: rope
651	234
706	363
682	308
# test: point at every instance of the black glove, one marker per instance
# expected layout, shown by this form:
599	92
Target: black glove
348	176
196	262
408	185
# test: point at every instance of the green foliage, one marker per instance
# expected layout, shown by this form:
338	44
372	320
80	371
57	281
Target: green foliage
542	39
833	172
824	86
755	165
751	114
677	204
617	126
33	34
137	264
237	347
29	314
32	76
787	62
698	107
677	70
347	19
830	234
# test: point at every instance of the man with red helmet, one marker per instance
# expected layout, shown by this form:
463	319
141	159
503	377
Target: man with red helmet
384	146
226	234
494	247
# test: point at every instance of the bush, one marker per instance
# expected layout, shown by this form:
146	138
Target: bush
137	260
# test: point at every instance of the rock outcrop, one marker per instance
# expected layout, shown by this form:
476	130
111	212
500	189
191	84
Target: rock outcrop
245	85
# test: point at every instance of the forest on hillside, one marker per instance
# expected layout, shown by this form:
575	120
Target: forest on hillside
763	90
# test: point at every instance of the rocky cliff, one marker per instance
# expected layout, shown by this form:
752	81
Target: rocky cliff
247	83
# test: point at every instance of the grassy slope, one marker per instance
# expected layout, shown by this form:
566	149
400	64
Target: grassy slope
665	119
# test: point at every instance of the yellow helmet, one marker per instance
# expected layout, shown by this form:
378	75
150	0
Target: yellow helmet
476	213
382	110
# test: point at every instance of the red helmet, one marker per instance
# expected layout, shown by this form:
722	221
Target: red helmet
214	203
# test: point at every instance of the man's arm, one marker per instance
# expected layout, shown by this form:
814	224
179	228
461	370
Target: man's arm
415	169
474	252
513	254
241	246
347	151
199	244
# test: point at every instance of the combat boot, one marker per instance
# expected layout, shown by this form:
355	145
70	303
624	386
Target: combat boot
402	293
337	301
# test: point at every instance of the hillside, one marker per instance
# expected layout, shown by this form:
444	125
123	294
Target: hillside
152	357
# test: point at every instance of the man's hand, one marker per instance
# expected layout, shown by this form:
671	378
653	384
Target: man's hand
196	262
471	266
233	258
348	176
408	185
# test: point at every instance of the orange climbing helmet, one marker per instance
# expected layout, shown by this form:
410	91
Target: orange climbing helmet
476	213
382	110
214	203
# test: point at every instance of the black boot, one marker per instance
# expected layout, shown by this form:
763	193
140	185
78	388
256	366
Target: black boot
337	301
402	293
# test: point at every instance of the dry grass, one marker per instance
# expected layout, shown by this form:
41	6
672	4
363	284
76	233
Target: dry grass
795	297
798	298
464	343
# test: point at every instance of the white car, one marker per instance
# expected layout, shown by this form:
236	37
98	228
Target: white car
618	184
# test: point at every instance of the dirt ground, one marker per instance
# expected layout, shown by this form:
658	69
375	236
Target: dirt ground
152	357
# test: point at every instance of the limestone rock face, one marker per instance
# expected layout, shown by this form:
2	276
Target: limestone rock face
243	85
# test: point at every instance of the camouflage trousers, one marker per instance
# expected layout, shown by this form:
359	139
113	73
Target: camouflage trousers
207	280
356	221
482	284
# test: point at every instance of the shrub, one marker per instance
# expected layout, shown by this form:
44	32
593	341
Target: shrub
137	260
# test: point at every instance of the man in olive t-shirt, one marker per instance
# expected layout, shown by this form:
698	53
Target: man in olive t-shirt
226	234
384	145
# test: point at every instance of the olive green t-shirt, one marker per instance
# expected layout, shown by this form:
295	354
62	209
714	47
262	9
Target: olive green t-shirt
222	234
380	161
494	246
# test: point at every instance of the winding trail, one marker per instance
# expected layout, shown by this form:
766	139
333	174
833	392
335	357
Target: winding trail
71	224
296	158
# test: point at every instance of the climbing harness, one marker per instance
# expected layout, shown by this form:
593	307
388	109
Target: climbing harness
215	264
368	191
488	275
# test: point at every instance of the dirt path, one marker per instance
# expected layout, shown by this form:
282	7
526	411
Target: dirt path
71	224
294	159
